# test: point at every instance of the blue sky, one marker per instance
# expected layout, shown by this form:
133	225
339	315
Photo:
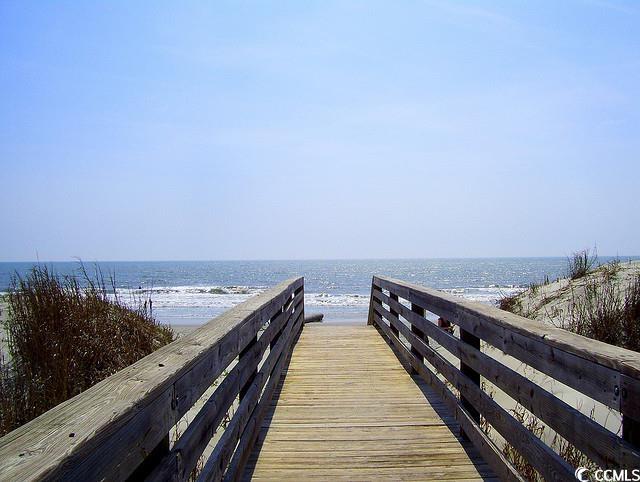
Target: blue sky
353	129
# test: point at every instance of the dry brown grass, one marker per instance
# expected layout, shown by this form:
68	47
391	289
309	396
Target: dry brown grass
607	313
581	263
510	303
566	450
66	333
521	464
604	310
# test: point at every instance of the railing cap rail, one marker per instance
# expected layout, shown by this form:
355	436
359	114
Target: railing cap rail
81	424
620	359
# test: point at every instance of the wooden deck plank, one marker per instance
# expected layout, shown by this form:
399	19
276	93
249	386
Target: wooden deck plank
347	410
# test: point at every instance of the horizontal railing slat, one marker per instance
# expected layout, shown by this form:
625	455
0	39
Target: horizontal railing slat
187	450
620	359
217	463
589	366
599	371
249	435
491	454
107	431
603	446
542	457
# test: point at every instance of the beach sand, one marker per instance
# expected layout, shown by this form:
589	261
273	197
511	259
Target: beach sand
182	330
551	304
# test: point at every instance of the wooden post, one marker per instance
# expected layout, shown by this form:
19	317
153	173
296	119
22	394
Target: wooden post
302	308
277	335
631	430
372	301
394	313
417	331
151	461
247	349
474	341
629	396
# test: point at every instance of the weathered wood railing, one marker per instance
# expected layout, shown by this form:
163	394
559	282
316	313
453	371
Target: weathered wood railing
120	428
602	372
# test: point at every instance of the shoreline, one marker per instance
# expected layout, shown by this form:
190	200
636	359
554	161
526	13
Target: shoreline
181	329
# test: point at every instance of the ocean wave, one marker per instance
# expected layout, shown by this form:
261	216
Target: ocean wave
193	296
229	296
488	295
327	299
200	290
224	297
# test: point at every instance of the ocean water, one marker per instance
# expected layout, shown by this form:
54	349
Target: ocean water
192	292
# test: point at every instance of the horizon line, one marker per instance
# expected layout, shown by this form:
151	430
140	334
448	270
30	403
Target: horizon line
80	260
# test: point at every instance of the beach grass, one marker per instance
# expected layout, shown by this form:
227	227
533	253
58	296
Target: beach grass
566	450
607	312
598	302
510	303
64	334
581	263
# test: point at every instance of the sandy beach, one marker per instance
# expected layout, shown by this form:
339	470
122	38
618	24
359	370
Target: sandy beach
551	304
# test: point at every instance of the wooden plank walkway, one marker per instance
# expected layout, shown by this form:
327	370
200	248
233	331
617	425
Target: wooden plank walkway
347	410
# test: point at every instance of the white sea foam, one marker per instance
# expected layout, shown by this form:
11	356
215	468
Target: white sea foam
229	296
195	296
224	297
488	295
327	299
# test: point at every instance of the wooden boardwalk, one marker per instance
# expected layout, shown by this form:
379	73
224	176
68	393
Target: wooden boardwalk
324	402
348	410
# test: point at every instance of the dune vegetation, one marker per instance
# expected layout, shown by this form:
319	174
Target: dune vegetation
63	335
599	301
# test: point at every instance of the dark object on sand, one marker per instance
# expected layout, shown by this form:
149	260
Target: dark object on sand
315	318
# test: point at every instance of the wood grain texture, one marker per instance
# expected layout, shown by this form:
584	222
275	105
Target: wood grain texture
603	446
489	451
119	421
184	455
216	465
537	453
341	415
251	431
589	366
